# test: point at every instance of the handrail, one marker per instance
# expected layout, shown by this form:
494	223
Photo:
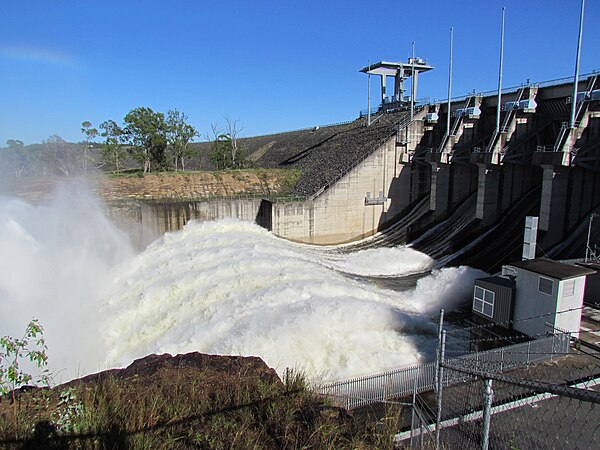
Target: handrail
397	383
508	90
315	127
544	148
505	122
273	198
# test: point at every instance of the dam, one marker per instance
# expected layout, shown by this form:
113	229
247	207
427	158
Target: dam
455	178
305	285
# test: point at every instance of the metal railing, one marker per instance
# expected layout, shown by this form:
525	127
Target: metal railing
273	198
508	90
370	389
400	383
395	106
544	148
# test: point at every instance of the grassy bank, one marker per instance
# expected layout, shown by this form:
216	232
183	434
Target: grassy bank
185	408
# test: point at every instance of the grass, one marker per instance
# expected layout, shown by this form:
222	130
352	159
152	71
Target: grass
179	410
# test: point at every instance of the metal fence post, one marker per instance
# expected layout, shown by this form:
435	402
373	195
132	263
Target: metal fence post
414	405
488	397
438	418
438	349
528	351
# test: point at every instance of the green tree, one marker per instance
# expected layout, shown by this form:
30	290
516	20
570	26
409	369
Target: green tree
90	133
179	136
112	149
146	131
16	156
15	143
220	155
32	347
226	152
56	156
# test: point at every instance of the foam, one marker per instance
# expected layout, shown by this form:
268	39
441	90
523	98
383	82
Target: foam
224	287
230	287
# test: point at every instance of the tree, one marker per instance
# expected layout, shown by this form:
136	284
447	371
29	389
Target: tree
146	131
16	156
233	130
57	155
90	133
31	347
15	143
179	135
226	152
112	149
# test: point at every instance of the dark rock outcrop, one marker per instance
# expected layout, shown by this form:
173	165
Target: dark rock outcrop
225	366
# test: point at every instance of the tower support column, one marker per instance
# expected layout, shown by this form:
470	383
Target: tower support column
488	183
440	189
553	204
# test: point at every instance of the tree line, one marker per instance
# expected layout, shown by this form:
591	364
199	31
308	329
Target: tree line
154	140
162	142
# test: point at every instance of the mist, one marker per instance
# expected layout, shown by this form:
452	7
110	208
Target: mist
56	265
225	287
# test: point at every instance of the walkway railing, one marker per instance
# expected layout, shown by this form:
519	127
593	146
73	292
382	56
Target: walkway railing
508	90
400	383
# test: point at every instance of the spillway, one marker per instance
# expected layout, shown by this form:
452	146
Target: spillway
227	287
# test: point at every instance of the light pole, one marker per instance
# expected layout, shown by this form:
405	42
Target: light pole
450	82
576	80
500	74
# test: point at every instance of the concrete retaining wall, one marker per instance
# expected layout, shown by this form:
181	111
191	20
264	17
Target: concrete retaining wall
340	213
146	221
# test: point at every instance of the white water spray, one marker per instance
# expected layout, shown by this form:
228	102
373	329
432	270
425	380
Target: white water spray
231	287
225	287
55	265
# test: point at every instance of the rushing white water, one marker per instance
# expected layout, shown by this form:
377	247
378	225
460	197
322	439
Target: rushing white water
56	263
227	287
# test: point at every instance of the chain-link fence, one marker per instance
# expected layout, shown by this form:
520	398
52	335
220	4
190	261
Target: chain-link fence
555	404
551	401
532	393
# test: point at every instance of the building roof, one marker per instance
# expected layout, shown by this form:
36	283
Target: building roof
497	280
392	68
553	269
592	265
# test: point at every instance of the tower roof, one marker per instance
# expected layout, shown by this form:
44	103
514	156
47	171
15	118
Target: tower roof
392	68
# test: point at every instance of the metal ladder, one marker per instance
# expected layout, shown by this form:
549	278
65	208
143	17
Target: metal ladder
512	112
565	127
507	118
455	125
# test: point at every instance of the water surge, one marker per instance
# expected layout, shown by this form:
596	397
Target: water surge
226	287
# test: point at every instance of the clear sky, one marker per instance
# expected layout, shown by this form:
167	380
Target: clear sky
272	65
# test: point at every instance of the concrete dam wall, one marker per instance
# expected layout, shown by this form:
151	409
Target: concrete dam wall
144	221
358	180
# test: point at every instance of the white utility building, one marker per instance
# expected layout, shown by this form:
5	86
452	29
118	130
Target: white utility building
546	292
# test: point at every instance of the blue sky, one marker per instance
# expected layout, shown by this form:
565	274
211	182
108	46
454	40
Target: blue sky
272	65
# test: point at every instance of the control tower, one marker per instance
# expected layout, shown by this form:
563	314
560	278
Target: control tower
400	71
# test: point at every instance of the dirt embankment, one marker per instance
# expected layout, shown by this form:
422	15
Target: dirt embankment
167	185
180	402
